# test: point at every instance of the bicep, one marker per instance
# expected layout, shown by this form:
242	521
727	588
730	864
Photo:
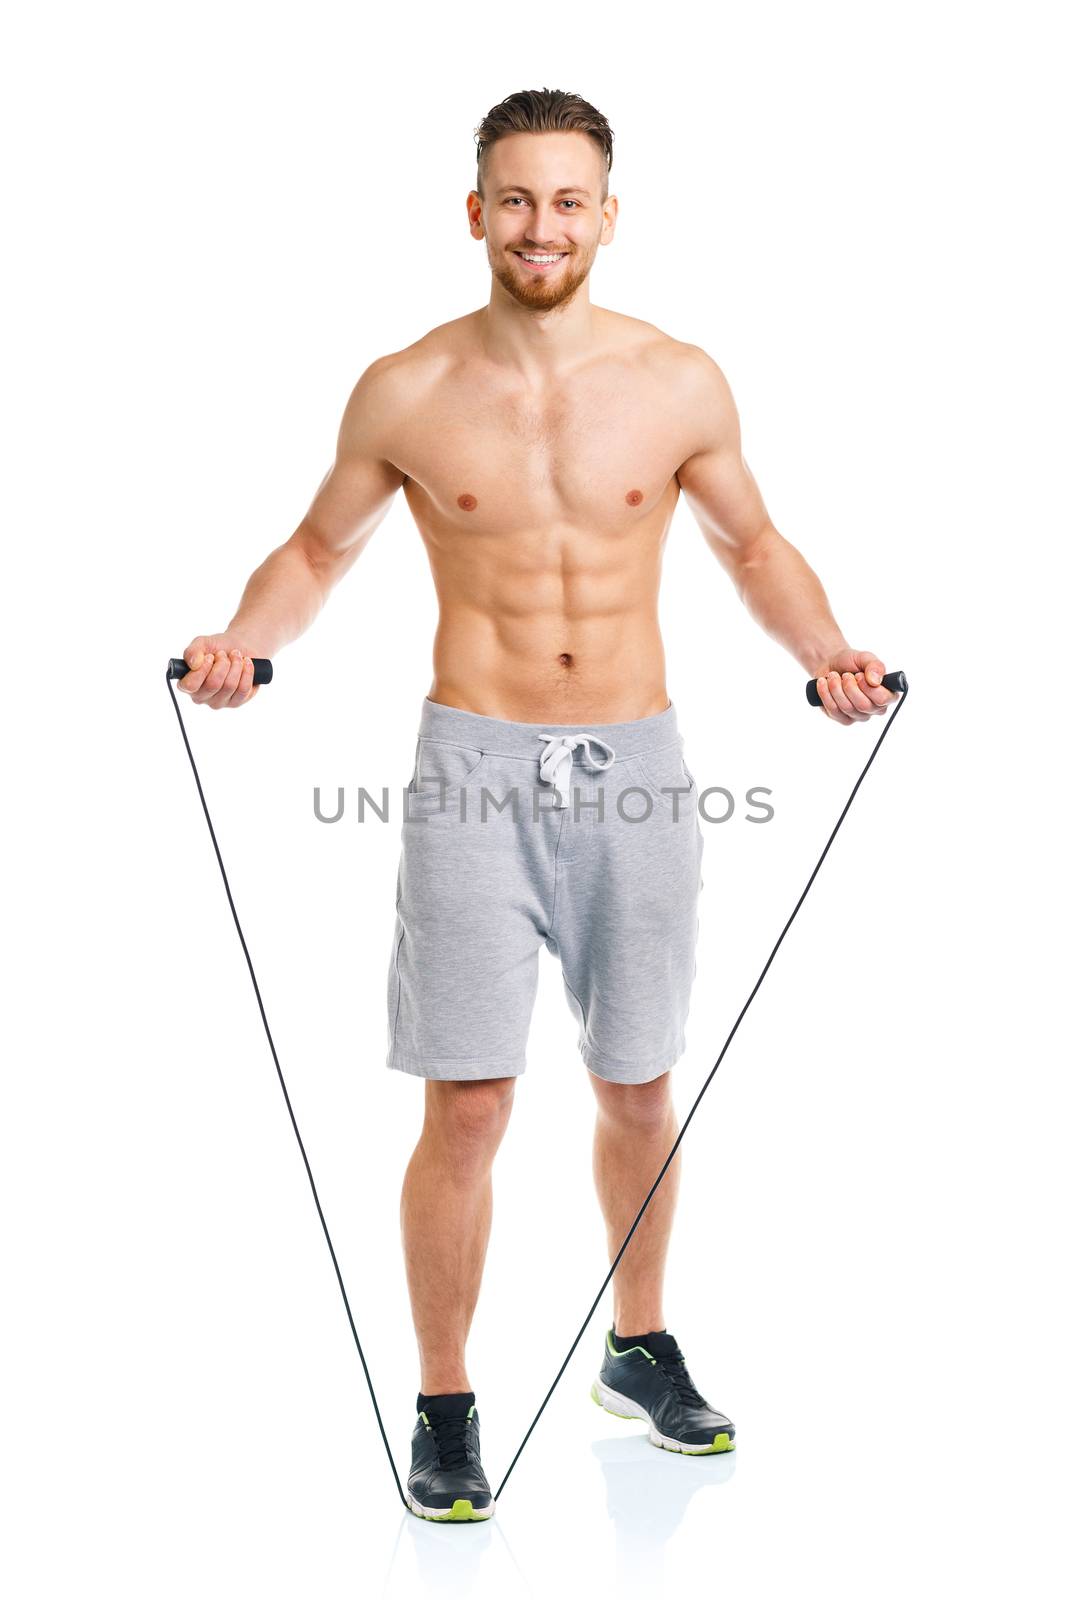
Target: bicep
720	489
359	488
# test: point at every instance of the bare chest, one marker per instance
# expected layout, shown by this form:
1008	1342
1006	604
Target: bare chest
600	455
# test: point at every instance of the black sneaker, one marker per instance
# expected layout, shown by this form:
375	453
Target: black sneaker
650	1381
447	1482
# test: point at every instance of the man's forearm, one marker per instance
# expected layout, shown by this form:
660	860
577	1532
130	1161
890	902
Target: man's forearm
785	597
281	599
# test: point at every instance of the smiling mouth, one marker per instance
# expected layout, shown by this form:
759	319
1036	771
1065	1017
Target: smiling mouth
541	260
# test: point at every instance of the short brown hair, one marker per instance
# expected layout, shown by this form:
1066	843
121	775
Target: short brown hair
543	111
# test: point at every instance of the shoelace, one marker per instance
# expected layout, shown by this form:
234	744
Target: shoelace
450	1434
675	1367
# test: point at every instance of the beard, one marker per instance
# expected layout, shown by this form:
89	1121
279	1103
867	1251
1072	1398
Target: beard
541	291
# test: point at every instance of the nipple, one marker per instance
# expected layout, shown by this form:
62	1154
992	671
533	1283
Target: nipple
467	502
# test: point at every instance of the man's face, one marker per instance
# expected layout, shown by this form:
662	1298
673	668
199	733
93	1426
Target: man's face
542	198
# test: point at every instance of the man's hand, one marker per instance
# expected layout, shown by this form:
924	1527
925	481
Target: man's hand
850	687
221	671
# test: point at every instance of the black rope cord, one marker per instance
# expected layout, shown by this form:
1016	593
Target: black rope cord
288	1104
645	1203
734	1029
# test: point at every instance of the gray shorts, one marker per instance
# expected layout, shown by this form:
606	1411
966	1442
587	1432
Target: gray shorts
581	837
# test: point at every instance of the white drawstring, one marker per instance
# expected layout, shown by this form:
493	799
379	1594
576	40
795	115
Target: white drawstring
558	760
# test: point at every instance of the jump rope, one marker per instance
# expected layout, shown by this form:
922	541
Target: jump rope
177	668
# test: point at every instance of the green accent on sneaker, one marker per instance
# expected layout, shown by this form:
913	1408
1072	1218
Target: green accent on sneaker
720	1443
460	1511
614	1352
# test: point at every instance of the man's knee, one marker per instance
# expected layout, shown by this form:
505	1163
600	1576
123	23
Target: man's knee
471	1113
635	1105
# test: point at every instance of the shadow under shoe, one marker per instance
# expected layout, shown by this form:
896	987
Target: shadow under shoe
447	1482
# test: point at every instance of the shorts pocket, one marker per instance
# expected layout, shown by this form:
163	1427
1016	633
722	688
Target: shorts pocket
666	769
442	770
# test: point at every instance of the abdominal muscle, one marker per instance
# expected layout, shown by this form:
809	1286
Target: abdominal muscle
559	639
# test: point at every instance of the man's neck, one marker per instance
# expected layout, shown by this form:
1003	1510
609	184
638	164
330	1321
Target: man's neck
538	344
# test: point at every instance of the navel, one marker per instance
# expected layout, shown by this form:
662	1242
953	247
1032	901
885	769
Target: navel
635	497
467	502
566	659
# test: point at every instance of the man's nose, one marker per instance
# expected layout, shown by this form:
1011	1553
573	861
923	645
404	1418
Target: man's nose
546	229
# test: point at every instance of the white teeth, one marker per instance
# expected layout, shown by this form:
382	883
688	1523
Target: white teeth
543	259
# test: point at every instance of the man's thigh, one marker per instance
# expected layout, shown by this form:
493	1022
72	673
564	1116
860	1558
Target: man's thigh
626	924
464	964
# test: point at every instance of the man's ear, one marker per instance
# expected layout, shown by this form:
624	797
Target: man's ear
610	212
474	206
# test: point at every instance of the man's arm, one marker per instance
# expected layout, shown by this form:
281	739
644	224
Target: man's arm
778	587
285	594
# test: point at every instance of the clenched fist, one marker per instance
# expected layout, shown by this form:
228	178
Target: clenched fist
220	673
851	690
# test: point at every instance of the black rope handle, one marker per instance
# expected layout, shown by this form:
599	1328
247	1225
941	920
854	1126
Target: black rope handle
263	673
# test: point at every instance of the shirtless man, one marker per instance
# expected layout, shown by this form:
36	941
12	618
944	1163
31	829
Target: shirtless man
541	444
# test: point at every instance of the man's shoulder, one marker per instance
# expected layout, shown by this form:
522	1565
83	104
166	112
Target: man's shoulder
424	361
650	347
392	387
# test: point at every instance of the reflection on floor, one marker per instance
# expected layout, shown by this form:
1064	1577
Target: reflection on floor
647	1492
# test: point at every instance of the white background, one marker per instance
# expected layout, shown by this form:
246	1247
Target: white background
217	216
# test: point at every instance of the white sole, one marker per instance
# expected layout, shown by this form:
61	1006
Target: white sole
620	1405
455	1513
